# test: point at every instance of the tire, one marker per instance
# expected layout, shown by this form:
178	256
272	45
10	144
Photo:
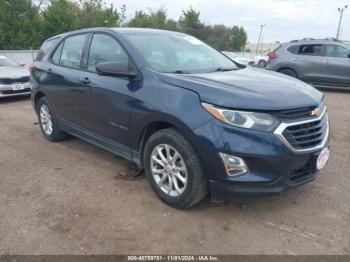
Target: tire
184	195
288	72
262	63
45	116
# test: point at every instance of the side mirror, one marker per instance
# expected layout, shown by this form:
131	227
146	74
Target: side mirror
116	69
21	63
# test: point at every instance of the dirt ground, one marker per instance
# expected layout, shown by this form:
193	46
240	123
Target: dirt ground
74	198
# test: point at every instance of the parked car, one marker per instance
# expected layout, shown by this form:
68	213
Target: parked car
188	115
325	61
239	59
261	60
14	79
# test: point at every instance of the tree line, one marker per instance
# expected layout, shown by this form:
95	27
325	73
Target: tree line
24	24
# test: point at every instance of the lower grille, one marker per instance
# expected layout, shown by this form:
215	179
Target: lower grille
11	92
305	135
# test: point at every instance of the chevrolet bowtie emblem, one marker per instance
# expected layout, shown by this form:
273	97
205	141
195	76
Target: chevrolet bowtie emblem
316	112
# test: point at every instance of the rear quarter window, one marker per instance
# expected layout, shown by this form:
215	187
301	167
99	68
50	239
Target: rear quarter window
293	49
44	49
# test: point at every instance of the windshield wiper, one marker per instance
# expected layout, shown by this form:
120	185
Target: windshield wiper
224	69
180	72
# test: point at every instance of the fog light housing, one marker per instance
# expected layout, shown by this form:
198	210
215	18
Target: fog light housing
234	165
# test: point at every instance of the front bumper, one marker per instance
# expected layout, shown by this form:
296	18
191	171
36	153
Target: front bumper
16	89
273	167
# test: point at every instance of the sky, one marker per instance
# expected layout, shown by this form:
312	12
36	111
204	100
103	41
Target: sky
285	19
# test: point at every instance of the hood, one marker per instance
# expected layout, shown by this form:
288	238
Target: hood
13	72
248	88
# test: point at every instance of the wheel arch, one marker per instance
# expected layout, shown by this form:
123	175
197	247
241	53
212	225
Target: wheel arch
288	68
38	95
158	124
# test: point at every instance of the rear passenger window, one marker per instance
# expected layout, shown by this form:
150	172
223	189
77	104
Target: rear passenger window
72	51
105	49
312	50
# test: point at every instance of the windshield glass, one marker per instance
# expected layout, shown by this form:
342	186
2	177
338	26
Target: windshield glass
4	61
179	53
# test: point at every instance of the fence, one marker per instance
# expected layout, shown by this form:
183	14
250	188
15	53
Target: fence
20	56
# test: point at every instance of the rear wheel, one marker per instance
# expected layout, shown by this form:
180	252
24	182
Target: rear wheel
174	170
288	72
48	122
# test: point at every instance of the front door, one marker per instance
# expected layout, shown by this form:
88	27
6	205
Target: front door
111	97
336	65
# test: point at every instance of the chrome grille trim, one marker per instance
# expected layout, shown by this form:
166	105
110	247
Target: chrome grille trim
282	127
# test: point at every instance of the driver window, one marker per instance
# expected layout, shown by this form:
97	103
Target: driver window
104	48
337	51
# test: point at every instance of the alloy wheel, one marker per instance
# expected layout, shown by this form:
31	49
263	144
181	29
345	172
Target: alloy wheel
46	120
169	170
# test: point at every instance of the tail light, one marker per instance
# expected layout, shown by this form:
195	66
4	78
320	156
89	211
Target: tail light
272	55
31	67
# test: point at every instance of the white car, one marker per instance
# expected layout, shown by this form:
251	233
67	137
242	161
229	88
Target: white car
239	59
14	78
261	61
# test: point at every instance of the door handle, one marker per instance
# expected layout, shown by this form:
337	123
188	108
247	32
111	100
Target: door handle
85	80
325	61
295	59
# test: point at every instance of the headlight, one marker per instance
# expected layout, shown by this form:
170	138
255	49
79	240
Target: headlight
252	120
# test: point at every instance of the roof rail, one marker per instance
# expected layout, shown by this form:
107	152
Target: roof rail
332	39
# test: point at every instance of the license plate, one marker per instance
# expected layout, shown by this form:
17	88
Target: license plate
322	158
18	87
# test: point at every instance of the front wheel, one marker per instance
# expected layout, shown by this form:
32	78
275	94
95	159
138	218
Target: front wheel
174	170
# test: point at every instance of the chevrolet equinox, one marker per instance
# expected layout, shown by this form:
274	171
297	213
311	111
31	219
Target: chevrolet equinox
193	119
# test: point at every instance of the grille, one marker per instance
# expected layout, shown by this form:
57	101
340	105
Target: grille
289	115
297	114
7	81
307	135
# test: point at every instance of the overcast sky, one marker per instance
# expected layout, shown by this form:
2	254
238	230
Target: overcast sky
285	19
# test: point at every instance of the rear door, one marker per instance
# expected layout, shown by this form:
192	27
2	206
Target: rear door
336	65
65	86
307	60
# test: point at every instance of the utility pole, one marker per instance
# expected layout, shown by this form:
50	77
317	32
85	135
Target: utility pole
341	11
261	29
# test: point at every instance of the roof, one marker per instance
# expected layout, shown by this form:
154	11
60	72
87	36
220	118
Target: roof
320	41
121	30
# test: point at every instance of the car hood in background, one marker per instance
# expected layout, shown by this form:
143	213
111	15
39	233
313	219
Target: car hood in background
13	72
248	88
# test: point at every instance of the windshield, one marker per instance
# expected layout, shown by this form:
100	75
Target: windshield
179	53
4	61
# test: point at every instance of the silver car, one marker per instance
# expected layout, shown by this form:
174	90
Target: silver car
320	62
14	78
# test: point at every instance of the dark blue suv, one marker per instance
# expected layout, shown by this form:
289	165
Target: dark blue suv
195	121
